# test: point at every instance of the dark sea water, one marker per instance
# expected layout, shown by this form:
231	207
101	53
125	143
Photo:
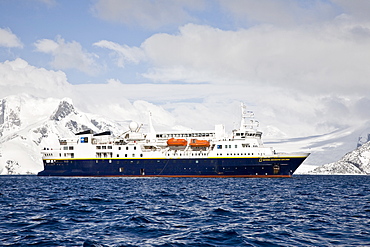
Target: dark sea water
298	211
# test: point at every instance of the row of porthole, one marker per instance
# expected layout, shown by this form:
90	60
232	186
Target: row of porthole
133	155
193	154
110	147
104	147
119	148
235	154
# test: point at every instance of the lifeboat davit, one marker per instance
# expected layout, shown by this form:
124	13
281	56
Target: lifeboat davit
199	143
176	142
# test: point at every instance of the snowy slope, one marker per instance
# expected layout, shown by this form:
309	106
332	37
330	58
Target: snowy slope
28	124
355	162
324	149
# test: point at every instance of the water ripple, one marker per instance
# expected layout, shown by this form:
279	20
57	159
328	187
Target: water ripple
302	211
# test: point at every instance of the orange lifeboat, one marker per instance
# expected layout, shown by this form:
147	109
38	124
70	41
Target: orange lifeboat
176	142
199	143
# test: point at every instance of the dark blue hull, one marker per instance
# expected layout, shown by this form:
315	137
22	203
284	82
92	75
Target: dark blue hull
201	167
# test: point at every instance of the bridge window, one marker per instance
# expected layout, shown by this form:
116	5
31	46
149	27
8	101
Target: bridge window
219	146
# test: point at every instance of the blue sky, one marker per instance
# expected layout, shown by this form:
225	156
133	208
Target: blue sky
73	21
301	63
81	22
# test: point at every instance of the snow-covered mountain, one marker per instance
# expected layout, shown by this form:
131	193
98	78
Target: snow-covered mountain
355	162
27	124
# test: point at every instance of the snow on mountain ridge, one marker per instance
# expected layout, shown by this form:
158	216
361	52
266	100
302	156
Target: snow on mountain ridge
9	117
22	110
23	132
356	162
64	109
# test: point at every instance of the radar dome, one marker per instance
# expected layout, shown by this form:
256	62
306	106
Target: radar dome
134	126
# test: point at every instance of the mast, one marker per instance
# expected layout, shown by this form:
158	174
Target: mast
151	134
248	122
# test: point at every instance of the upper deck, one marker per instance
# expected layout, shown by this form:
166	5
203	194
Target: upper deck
245	141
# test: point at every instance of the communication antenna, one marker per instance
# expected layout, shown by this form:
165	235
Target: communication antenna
248	122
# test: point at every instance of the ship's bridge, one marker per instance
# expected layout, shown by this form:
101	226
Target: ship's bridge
248	134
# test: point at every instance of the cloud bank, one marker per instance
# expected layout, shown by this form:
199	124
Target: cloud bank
316	60
68	55
18	76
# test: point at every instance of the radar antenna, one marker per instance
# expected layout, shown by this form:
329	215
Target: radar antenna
248	122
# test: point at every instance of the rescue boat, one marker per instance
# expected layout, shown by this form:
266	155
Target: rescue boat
199	143
176	142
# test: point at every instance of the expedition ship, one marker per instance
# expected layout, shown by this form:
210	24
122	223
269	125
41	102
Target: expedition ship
171	154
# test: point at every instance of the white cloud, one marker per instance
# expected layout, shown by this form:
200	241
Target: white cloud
68	55
303	79
315	59
146	13
125	54
19	77
8	39
197	106
314	77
